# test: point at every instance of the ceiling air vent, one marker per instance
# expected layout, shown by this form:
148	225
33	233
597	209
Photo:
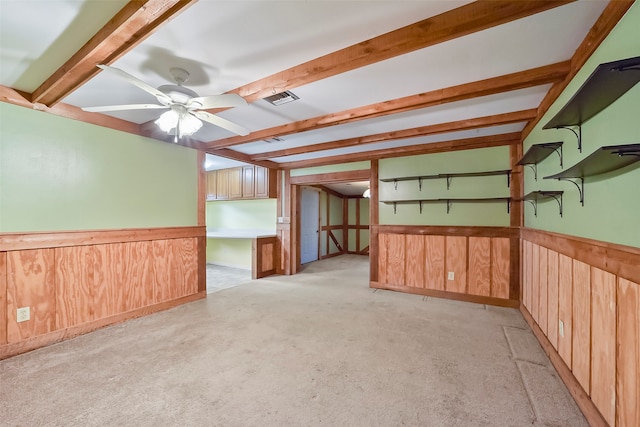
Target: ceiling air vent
281	98
273	139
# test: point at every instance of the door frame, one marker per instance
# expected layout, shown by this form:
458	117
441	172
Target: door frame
295	190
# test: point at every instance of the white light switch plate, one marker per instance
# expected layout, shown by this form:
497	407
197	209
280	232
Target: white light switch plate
450	276
23	314
561	328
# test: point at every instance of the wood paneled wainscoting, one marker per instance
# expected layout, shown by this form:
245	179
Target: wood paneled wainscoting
466	263
582	300
77	281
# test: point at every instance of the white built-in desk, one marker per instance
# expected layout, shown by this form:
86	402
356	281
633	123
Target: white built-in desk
264	248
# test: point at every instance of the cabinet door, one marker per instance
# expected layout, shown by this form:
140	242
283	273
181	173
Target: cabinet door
248	191
262	182
212	185
235	183
222	184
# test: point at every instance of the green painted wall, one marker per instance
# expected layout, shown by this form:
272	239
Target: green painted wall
364	220
335	218
342	167
242	214
612	201
336	210
61	174
323	221
364	211
478	214
230	252
259	214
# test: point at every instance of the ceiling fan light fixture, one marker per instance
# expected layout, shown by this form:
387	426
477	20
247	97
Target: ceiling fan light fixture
168	121
184	115
189	124
179	115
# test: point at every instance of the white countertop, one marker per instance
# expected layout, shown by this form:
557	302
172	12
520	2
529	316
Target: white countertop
218	233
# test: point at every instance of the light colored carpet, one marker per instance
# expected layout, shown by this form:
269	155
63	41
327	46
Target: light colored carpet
316	349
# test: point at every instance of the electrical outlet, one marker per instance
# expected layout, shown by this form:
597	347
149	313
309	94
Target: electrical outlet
23	314
561	328
450	276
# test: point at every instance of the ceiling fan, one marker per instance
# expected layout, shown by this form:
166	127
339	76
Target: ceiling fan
184	105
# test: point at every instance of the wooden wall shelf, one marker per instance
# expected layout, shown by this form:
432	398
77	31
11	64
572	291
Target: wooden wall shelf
449	201
607	83
537	153
535	196
603	160
449	177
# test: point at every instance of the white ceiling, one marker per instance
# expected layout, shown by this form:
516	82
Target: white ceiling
349	188
227	44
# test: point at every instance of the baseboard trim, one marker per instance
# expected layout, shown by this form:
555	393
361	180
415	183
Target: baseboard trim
331	255
591	413
13	349
478	299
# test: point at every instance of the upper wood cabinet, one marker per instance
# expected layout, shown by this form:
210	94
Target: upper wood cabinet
235	183
212	184
265	183
222	184
248	186
245	182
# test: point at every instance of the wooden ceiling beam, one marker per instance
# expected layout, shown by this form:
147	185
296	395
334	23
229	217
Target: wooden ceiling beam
15	97
475	123
412	150
332	177
509	82
130	26
608	19
330	191
459	22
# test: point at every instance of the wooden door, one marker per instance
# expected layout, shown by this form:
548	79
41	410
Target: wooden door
248	191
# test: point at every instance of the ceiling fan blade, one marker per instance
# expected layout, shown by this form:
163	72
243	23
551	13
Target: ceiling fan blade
124	107
135	81
223	123
217	101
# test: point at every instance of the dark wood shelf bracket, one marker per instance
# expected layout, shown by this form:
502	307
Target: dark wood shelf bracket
538	152
601	161
449	202
578	134
536	196
448	177
580	186
607	83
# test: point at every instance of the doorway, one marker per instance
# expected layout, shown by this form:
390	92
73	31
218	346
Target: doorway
309	225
